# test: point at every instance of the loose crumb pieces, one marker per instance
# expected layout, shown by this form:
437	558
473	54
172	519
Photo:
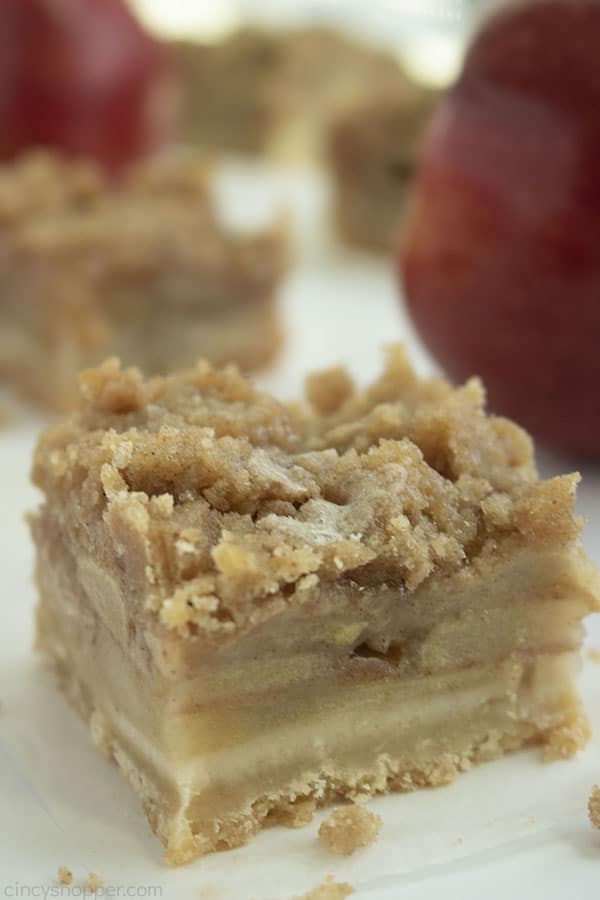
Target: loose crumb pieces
329	890
93	882
211	892
348	828
593	654
594	806
65	876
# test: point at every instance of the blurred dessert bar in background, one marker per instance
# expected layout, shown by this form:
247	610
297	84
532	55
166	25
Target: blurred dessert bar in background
278	94
373	152
143	270
225	90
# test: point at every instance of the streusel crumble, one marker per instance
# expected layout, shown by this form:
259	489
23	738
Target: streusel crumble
348	828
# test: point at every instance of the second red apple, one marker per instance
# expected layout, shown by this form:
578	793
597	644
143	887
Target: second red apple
500	258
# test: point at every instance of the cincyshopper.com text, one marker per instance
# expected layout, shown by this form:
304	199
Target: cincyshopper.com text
20	891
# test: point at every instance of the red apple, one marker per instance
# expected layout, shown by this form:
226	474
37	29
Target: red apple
83	77
500	256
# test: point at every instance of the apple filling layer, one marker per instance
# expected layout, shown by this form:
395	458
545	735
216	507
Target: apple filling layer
296	715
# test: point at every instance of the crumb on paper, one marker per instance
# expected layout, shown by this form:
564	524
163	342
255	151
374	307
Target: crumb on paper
65	876
211	892
531	820
458	841
348	828
329	890
92	883
593	654
594	806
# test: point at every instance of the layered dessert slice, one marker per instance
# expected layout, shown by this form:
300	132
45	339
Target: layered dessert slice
373	154
261	608
277	93
143	270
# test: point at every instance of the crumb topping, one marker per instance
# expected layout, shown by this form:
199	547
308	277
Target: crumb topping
241	504
44	185
348	828
326	391
594	806
329	890
69	213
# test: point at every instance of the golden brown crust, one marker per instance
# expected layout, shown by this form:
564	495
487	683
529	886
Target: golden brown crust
348	829
243	503
293	813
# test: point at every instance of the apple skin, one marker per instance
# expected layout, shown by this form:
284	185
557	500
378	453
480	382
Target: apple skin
500	253
81	77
